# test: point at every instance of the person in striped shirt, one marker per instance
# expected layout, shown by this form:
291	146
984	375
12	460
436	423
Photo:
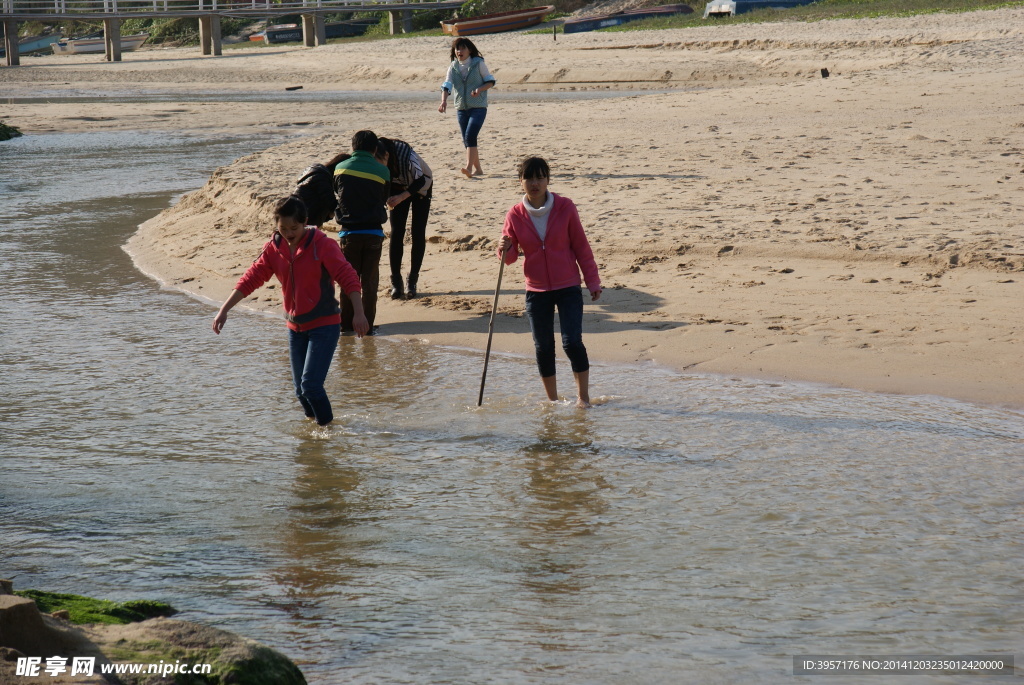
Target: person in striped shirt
412	186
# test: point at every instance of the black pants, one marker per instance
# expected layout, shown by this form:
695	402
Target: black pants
363	252
540	310
420	211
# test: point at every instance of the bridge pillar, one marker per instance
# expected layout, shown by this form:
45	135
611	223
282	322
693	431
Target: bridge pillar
112	39
314	32
11	42
209	34
400	21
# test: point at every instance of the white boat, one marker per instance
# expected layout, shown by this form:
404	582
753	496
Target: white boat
67	46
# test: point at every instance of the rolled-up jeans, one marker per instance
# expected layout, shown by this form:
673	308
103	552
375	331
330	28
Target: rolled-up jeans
540	310
311	354
470	122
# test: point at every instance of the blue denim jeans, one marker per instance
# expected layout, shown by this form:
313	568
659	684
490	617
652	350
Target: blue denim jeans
540	310
470	122
311	354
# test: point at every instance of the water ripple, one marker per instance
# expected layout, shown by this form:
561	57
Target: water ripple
688	528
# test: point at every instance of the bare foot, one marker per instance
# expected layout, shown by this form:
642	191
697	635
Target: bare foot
582	403
466	172
478	172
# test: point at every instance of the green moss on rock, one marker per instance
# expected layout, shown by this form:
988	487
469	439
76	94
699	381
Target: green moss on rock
8	132
89	610
263	667
231	659
136	632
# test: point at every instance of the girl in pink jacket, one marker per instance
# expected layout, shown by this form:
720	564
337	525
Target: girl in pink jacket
547	228
308	264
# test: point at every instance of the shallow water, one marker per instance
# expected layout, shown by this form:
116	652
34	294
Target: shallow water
687	529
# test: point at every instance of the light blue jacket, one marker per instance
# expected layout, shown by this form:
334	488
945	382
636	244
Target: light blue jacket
462	87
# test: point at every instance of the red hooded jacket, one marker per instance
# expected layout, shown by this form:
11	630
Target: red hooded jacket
307	278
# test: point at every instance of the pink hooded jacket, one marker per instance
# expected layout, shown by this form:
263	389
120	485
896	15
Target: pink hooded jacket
555	262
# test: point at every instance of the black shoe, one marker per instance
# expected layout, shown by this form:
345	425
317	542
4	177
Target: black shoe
410	289
397	293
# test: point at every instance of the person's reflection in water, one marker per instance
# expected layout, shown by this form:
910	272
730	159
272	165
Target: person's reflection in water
564	492
379	376
331	512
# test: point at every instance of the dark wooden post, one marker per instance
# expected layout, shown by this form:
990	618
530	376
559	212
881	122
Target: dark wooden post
112	39
210	39
314	32
400	21
11	42
215	35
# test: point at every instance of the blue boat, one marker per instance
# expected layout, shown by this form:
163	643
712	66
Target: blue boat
352	27
603	21
282	33
730	8
31	44
291	33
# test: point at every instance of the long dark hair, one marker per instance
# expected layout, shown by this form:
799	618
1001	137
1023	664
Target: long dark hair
336	160
460	42
389	145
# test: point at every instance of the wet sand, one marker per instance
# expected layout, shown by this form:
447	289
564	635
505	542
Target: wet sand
863	230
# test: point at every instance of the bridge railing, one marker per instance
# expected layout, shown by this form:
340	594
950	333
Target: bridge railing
122	7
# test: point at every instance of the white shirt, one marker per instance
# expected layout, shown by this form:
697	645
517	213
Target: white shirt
464	69
540	215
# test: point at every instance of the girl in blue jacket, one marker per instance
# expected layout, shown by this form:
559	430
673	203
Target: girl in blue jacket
469	80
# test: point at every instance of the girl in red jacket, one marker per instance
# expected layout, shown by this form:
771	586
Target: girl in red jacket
308	264
555	249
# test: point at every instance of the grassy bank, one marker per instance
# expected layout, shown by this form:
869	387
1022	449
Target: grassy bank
819	11
185	31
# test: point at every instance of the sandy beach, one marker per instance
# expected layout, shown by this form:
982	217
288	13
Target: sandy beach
749	217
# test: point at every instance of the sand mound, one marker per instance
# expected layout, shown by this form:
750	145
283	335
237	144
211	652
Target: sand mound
752	218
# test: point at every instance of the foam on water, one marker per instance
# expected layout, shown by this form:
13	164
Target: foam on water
687	528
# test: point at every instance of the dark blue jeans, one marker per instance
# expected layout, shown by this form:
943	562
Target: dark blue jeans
311	354
540	310
470	122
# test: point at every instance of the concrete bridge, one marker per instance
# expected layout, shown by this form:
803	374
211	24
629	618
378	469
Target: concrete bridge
209	13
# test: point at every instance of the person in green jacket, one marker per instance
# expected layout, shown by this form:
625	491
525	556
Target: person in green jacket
361	183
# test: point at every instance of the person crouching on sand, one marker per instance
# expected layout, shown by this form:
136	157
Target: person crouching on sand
547	228
298	255
412	186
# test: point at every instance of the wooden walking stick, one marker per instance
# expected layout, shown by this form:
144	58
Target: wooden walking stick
490	329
